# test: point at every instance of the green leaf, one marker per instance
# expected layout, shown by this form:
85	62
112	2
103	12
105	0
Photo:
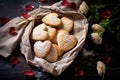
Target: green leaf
116	28
101	4
101	33
97	16
89	18
105	23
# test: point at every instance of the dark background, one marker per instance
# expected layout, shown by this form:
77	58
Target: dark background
13	8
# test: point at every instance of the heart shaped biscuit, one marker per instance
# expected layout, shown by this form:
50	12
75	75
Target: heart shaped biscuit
51	32
67	24
59	52
66	41
39	32
52	19
42	49
53	55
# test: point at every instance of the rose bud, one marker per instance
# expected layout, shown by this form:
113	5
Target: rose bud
97	28
101	68
83	7
96	38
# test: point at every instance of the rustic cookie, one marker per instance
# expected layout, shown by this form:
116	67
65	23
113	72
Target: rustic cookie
51	32
67	23
59	51
39	33
66	41
42	49
52	19
54	40
52	56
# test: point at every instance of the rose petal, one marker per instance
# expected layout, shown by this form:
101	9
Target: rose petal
13	60
26	15
108	48
65	3
12	31
102	14
43	1
29	7
105	16
84	7
107	59
101	68
4	20
28	73
96	38
108	12
76	74
72	5
81	73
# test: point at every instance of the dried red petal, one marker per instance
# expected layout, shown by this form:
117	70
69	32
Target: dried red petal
43	1
107	59
108	48
102	14
73	5
13	60
29	7
26	15
108	12
81	73
65	3
76	74
12	31
105	16
4	20
28	73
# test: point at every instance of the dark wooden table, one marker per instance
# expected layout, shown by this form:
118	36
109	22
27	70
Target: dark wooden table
10	9
13	8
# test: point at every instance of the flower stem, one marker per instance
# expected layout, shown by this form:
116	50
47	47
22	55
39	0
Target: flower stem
115	22
101	33
118	6
115	19
116	10
116	68
89	18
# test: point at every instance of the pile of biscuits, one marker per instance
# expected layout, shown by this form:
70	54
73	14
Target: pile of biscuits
52	37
